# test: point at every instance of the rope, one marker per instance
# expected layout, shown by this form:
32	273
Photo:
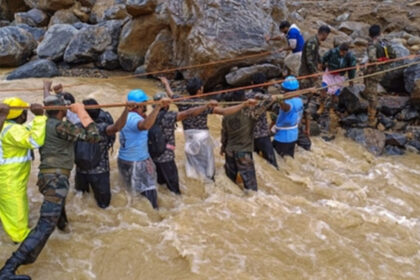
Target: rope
180	101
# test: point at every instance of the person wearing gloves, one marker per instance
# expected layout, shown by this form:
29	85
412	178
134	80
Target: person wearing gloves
57	159
16	142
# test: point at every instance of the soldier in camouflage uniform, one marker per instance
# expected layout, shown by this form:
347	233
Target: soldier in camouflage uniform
378	50
57	157
238	141
262	141
311	60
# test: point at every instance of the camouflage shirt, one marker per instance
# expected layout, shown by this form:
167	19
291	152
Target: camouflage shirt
103	166
310	57
197	122
238	129
261	128
375	51
167	122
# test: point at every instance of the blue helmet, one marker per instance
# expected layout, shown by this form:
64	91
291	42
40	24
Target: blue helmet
291	83
137	95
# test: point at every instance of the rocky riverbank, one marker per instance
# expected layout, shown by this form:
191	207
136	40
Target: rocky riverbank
47	38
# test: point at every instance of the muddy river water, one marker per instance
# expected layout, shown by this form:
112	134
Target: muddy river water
336	212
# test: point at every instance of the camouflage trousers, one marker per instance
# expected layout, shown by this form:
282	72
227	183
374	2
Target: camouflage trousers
371	91
241	163
54	188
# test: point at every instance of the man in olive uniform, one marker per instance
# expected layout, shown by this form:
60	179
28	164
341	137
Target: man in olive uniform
378	50
311	60
57	158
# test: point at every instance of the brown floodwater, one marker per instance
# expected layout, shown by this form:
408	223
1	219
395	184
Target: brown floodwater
336	212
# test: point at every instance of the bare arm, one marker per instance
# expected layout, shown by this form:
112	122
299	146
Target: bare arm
47	88
283	105
147	123
120	123
168	88
193	112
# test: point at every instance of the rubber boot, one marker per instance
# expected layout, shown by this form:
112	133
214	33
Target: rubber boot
9	269
372	121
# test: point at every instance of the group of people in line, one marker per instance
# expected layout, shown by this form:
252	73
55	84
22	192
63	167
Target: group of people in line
147	140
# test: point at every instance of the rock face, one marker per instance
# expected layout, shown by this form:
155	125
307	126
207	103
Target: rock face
33	17
49	5
16	45
222	30
55	41
91	41
394	81
391	105
135	39
42	68
351	100
160	53
243	76
373	140
140	7
292	62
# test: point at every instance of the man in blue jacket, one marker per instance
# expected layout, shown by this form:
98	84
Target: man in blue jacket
294	37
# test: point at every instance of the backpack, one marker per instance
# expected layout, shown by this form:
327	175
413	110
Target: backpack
385	50
156	141
87	156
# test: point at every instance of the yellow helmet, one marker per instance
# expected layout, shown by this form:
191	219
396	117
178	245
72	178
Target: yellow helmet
15	101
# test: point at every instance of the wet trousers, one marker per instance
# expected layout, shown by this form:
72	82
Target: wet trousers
54	188
241	163
285	149
100	184
167	173
264	147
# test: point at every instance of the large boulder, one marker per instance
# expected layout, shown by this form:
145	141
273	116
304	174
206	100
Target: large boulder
292	62
243	76
36	32
372	139
104	10
391	105
395	139
136	37
16	45
350	99
108	60
91	41
9	8
160	53
33	17
354	120
65	16
222	30
394	81
351	27
412	82
55	41
42	68
140	7
50	5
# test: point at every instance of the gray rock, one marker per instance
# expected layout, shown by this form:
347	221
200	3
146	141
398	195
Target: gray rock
408	114
413	145
342	17
394	81
56	41
91	41
292	62
243	76
37	32
386	121
360	42
140	7
42	68
393	151
350	27
80	25
140	70
413	41
108	60
412	82
64	17
342	38
373	140
50	5
16	45
353	120
395	139
414	131
107	10
350	99
116	12
33	17
391	105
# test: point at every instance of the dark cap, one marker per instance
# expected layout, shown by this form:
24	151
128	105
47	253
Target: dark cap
56	100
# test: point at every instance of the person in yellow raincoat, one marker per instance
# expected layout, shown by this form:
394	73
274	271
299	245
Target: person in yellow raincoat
16	142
